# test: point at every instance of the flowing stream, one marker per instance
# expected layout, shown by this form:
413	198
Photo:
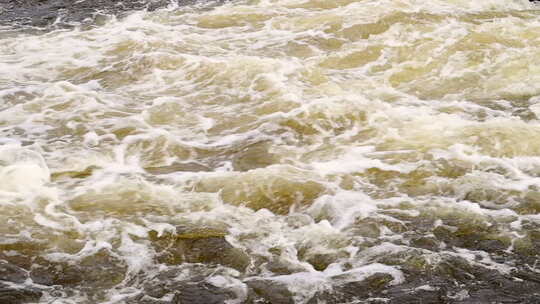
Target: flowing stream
274	151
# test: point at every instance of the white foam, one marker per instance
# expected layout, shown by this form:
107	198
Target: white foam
22	170
355	161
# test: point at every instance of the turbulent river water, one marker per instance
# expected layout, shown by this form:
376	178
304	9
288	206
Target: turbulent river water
274	151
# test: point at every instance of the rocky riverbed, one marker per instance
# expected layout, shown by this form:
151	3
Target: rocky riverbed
67	13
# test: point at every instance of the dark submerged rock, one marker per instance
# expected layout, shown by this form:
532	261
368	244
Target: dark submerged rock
50	273
207	246
42	13
201	293
457	280
269	291
15	295
12	295
93	273
12	273
215	250
354	291
167	287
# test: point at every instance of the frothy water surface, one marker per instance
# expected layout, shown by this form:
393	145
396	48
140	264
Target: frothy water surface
274	151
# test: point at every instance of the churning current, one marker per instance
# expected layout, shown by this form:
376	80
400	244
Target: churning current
273	152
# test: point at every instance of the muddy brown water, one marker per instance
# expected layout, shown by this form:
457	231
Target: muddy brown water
270	151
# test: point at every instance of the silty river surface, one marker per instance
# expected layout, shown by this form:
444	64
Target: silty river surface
273	152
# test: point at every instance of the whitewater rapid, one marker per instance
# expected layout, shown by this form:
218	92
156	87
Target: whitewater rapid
274	151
